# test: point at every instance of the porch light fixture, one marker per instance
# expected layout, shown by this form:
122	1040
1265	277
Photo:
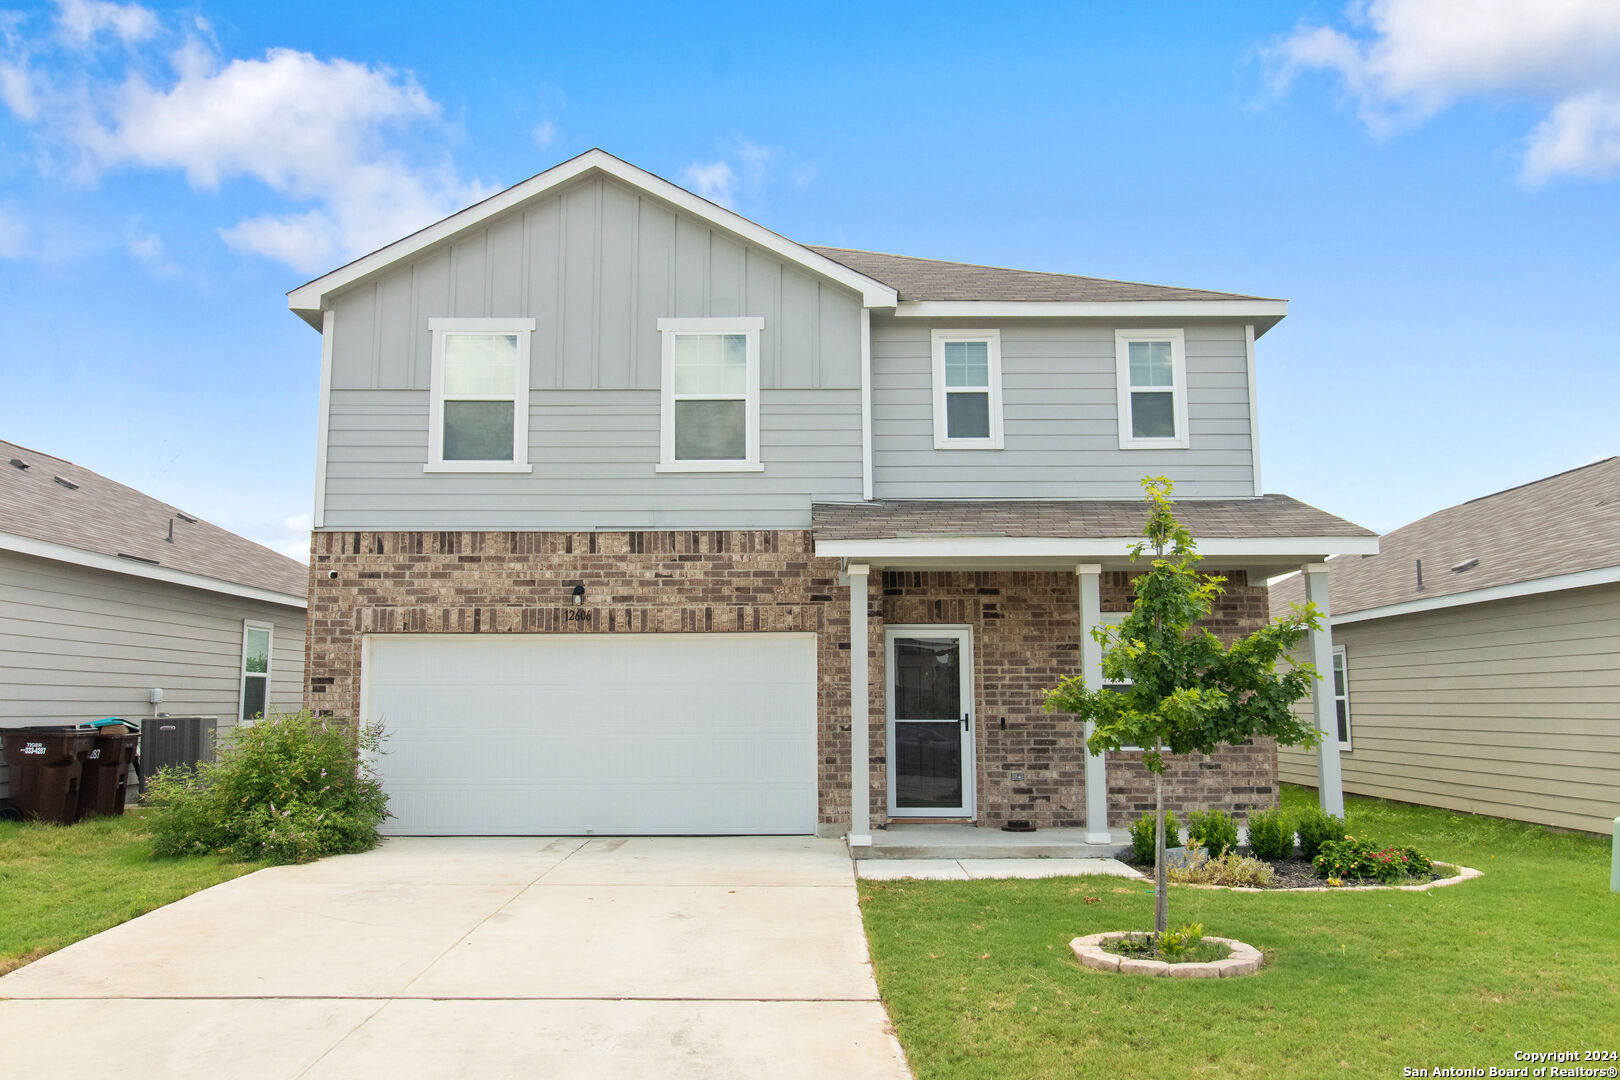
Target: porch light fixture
579	594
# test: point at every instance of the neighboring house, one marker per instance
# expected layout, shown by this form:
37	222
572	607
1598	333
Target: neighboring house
107	594
604	469
1477	656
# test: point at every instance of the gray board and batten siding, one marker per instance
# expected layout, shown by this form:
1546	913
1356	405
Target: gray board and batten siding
597	263
78	644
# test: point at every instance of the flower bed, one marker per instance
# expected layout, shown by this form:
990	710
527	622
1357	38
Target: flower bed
1094	951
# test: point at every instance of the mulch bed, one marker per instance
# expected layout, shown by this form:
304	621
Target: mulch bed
1299	874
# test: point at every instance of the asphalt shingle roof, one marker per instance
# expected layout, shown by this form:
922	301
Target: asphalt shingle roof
932	279
1559	525
100	515
1064	519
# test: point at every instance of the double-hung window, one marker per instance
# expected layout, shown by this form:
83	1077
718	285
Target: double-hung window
710	402
1341	693
255	684
1113	620
479	412
967	390
1151	370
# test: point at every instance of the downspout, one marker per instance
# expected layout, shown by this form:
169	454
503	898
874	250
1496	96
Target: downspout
1254	407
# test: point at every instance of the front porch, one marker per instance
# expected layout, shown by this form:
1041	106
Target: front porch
1005	605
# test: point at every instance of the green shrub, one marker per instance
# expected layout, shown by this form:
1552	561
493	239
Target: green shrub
287	788
1175	943
1228	869
1351	858
1271	835
1315	828
1142	837
1214	831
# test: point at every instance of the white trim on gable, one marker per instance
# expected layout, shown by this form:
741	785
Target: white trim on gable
309	299
323	419
94	560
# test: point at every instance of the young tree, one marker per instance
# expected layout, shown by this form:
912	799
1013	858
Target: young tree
1188	692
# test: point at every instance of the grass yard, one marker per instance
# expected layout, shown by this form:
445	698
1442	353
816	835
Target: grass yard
58	884
980	982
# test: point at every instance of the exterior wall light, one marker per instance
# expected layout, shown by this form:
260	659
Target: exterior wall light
579	594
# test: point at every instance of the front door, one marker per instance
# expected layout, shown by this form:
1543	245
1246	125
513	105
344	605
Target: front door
930	715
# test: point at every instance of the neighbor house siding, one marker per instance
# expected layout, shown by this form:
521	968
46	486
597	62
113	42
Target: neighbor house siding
1060	409
596	265
1509	708
79	645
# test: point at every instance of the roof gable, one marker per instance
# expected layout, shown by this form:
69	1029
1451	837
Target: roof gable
309	299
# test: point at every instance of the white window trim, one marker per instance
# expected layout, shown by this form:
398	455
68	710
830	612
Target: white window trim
1341	654
668	331
523	328
942	439
1178	391
242	671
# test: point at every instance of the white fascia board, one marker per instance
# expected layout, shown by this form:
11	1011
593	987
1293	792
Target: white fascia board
1607	575
94	560
308	299
990	547
866	404
1142	309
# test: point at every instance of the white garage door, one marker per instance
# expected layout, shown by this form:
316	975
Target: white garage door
568	734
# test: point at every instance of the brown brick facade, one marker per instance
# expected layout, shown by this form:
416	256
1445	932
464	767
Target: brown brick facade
1026	637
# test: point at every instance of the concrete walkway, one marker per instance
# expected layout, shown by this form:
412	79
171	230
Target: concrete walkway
482	957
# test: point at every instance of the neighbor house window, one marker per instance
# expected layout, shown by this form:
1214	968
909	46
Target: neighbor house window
1151	370
710	406
967	390
1341	693
479	415
255	693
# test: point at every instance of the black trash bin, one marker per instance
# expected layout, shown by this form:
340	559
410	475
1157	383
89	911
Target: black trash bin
47	766
106	771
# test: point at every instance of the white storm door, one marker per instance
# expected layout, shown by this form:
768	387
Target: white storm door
930	721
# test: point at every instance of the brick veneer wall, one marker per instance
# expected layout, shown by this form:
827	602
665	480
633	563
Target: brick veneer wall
1026	637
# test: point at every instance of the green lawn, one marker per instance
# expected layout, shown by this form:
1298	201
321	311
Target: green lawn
980	982
59	884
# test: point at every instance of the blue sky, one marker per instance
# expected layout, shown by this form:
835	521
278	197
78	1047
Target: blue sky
1435	194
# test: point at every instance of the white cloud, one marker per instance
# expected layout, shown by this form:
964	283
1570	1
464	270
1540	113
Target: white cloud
146	247
543	134
714	180
1403	61
358	153
744	169
81	20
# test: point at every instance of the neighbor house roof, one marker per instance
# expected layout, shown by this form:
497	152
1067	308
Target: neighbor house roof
1566	524
1107	526
933	279
51	507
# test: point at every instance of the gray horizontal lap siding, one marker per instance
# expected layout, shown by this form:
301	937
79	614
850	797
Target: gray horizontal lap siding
596	265
1059	405
79	644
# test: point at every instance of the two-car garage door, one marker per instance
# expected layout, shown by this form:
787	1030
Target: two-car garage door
569	734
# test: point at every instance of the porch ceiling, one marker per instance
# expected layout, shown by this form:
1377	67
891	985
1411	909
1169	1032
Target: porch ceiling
1270	532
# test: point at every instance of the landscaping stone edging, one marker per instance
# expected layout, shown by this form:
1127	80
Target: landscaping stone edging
1245	959
1464	873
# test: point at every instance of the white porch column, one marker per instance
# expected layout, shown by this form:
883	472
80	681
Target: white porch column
1090	577
1329	780
860	698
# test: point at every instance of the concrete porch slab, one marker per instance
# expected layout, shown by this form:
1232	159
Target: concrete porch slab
973	842
985	869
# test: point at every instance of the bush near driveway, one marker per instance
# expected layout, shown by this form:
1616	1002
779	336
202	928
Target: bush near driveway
980	981
62	883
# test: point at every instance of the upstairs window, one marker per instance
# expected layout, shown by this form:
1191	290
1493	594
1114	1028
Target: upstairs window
710	406
1151	369
479	414
967	390
255	688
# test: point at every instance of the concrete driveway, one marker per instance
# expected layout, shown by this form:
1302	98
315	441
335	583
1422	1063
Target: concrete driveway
480	957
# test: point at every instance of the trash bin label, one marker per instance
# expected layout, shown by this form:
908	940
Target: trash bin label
95	753
33	748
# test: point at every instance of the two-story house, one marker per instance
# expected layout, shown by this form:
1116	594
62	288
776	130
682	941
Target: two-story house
614	483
